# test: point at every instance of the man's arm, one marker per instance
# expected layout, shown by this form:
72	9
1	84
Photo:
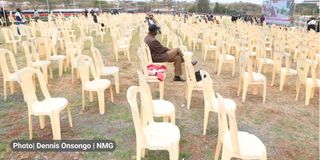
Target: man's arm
158	47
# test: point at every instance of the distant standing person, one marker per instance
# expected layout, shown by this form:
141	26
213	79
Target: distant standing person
19	19
262	18
92	12
36	15
85	12
311	24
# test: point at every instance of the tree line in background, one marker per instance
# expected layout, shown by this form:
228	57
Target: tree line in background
200	6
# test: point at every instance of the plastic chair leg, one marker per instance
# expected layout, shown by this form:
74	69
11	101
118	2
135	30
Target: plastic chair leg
161	89
218	148
233	68
91	96
264	91
11	87
116	82
189	94
297	89
5	90
55	123
308	94
101	101
225	154
282	80
45	72
173	118
83	100
111	94
60	67
205	121
219	67
244	91
42	120
30	126
69	116
139	151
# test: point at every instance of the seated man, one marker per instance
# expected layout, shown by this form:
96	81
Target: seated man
160	53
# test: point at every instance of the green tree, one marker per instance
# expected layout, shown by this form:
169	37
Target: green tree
203	6
103	4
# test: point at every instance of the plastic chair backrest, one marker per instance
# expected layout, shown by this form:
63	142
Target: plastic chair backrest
44	47
98	61
143	61
209	94
190	73
132	100
85	65
148	53
245	65
146	99
314	66
28	50
303	66
7	33
4	63
26	81
227	118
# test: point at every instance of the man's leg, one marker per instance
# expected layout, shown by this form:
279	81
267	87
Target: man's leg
175	55
174	52
177	62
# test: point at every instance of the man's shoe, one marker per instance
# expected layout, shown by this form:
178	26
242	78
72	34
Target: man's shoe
178	78
194	62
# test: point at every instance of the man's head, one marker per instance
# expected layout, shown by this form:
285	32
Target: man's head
18	10
153	29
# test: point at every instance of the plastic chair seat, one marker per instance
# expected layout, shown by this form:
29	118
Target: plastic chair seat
227	103
40	63
252	53
309	81
13	77
123	46
162	107
161	135
97	84
266	61
228	57
256	76
57	57
250	146
110	70
291	71
197	40
212	47
49	105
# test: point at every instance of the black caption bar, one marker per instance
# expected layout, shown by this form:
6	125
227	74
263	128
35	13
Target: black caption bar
63	145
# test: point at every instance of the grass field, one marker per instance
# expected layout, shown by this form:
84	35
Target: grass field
288	128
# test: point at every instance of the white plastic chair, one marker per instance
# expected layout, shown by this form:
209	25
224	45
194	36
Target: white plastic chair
105	71
210	100
84	65
144	63
237	144
8	76
33	59
192	84
48	107
159	107
154	135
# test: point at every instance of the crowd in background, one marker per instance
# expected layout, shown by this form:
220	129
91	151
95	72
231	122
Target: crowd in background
312	23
